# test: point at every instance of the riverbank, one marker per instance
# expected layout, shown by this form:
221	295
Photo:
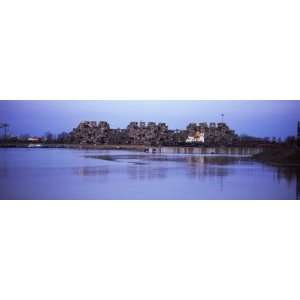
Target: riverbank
242	151
75	146
279	156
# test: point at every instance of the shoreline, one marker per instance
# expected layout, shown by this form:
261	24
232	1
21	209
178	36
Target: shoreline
279	157
237	150
75	146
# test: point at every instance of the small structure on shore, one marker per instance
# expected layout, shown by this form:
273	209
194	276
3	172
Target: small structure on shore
34	146
34	139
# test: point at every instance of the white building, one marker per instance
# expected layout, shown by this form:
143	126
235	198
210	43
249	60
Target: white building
197	138
33	139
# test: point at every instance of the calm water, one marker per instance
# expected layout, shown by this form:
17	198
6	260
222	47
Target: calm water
105	174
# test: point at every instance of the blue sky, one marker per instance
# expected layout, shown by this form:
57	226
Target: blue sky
259	118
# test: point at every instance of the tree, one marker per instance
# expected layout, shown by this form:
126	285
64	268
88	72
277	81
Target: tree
4	130
49	137
63	137
24	137
290	140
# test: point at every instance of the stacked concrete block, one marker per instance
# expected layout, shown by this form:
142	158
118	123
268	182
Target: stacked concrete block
84	132
214	134
118	137
102	133
150	134
88	132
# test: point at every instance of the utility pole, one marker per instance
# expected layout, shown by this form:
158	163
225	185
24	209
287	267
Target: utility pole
1	130
222	116
298	134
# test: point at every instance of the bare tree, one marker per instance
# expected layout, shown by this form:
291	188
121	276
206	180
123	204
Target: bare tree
49	137
63	137
24	137
4	130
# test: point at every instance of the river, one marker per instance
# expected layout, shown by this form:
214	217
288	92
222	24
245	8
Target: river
117	174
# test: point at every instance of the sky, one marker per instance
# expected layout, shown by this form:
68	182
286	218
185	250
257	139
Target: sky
257	118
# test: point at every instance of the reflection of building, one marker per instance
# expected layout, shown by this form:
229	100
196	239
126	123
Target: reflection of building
298	187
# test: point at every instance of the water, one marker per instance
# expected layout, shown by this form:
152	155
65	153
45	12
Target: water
114	174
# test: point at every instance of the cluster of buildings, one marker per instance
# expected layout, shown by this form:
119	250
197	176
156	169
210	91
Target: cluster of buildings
152	134
214	133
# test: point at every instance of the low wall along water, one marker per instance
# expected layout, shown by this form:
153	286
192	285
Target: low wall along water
212	150
171	149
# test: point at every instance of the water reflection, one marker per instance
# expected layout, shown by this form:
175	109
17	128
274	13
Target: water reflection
298	186
290	175
212	166
148	167
146	172
64	174
209	171
3	171
287	174
146	158
91	171
3	165
201	167
141	167
214	160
